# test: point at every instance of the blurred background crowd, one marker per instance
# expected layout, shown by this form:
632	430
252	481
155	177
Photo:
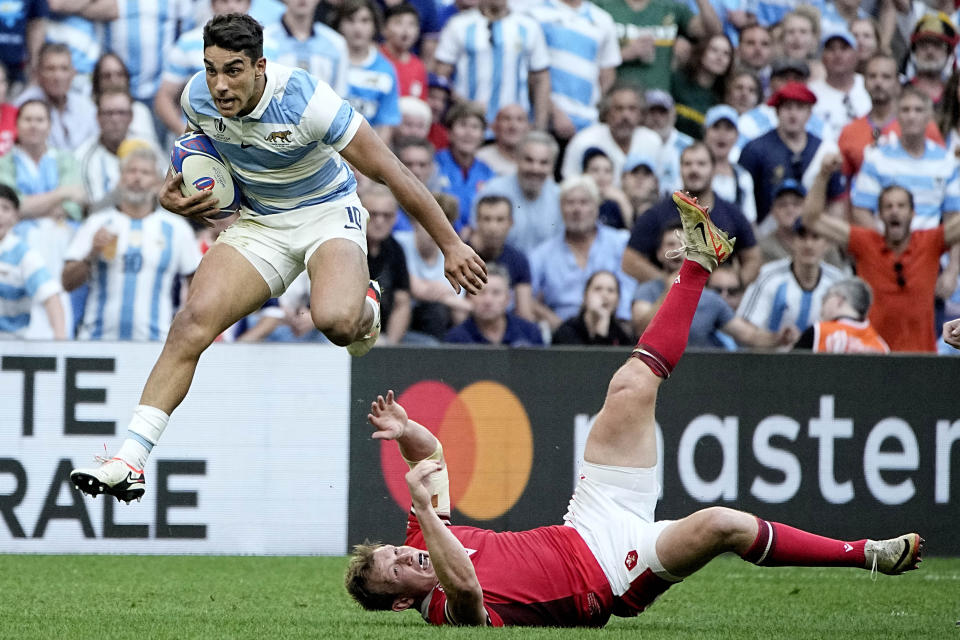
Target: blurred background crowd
552	133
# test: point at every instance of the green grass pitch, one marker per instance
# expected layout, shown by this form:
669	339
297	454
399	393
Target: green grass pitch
266	598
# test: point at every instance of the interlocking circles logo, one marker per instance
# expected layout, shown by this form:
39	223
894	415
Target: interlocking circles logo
486	439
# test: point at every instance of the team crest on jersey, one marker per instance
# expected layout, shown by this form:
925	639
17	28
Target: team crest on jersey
631	560
279	137
219	124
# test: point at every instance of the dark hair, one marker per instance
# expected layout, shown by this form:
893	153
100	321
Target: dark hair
695	62
350	7
740	72
593	276
96	89
464	110
402	9
7	193
20	109
401	143
98	97
493	200
54	48
603	107
948	111
590	154
892	188
699	144
235	32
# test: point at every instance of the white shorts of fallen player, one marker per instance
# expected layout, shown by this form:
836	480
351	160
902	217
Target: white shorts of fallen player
612	509
280	245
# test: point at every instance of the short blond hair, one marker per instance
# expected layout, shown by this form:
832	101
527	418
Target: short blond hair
357	579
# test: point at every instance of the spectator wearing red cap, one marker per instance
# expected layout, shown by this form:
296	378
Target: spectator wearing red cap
931	47
789	151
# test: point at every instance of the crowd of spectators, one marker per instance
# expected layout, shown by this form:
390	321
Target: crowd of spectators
824	135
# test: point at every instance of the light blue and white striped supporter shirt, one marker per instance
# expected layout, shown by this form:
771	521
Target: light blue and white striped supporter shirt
185	58
934	180
323	55
284	153
131	295
142	35
24	277
771	12
492	60
374	91
581	42
776	300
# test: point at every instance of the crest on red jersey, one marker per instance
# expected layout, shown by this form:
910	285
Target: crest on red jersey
631	560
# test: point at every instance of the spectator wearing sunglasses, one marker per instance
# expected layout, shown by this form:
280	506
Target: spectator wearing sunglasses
899	264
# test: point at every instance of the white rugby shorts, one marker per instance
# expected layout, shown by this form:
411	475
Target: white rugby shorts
612	509
280	245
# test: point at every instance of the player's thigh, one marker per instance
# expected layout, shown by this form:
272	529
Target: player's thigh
338	279
225	289
624	432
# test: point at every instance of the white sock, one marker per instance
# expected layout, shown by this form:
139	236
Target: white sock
376	313
144	431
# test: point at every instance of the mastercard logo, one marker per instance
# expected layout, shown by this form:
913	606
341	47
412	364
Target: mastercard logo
487	443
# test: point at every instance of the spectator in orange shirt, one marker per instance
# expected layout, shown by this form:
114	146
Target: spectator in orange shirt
844	327
882	83
901	266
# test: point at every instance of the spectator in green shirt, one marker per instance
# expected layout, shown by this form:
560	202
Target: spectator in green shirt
648	29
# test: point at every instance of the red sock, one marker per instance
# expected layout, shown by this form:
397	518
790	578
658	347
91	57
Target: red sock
665	338
778	545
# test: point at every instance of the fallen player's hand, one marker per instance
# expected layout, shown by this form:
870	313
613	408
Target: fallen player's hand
418	481
388	416
951	333
464	268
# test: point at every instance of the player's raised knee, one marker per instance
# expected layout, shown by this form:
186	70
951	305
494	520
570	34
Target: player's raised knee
340	329
723	525
634	386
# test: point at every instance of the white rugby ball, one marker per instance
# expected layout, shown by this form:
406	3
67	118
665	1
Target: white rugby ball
202	169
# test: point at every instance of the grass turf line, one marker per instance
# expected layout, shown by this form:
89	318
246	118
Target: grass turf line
155	597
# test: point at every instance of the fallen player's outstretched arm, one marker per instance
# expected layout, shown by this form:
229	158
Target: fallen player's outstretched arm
450	560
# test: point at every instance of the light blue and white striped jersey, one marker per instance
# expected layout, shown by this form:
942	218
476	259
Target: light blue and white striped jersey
24	277
763	118
323	55
142	35
50	238
283	154
581	42
99	169
185	58
492	60
373	90
131	296
934	180
80	35
776	300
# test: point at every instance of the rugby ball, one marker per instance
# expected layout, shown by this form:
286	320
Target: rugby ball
202	169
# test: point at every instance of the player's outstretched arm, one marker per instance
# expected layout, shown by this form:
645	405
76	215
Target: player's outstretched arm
450	560
367	152
390	418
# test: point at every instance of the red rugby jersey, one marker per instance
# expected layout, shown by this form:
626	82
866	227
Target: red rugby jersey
541	577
